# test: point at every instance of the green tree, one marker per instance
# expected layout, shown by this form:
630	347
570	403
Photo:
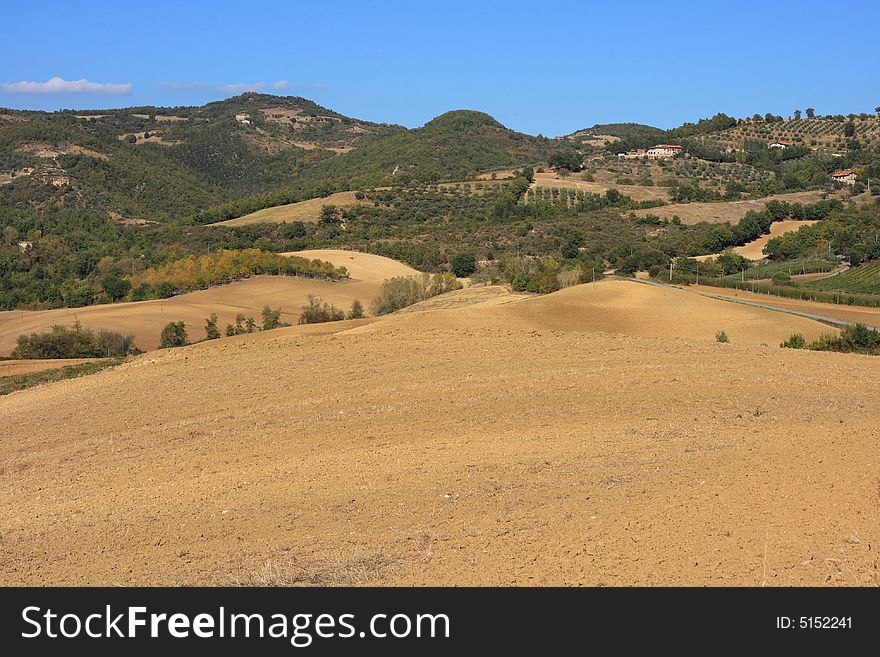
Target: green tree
10	234
211	330
317	312
330	214
271	318
797	115
463	264
173	335
811	113
115	286
849	129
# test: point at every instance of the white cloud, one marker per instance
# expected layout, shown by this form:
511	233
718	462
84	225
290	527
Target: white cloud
58	85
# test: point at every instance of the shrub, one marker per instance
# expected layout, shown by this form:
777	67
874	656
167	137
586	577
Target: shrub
173	335
857	339
463	264
316	312
271	318
211	330
356	311
402	291
795	341
721	336
781	278
76	342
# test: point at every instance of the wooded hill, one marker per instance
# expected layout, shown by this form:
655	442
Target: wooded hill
154	164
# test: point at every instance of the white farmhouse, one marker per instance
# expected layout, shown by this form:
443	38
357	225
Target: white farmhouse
845	177
662	151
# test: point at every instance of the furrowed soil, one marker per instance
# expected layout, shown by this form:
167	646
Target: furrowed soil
512	440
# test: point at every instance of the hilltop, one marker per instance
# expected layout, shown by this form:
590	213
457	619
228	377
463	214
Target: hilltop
453	146
622	130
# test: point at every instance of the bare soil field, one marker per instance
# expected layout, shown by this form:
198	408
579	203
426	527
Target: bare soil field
859	314
624	307
145	319
505	443
17	367
732	211
303	211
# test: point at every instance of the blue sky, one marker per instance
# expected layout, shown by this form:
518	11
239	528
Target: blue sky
538	67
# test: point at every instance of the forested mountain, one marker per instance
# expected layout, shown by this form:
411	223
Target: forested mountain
452	146
151	163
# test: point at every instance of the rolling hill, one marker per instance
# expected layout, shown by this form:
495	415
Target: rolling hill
494	444
145	319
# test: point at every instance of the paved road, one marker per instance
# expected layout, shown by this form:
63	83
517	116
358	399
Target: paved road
833	321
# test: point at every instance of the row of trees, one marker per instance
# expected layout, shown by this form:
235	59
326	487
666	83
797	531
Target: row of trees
73	342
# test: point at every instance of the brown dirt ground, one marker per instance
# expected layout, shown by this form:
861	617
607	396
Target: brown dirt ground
507	442
145	319
303	211
863	314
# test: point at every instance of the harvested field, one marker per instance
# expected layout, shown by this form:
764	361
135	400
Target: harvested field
29	366
616	306
145	319
505	443
303	211
732	211
858	314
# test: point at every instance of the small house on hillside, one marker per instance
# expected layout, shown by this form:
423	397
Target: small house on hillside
631	155
663	150
781	144
845	177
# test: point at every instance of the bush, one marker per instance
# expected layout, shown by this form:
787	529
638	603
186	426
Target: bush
463	264
795	341
211	330
721	336
356	311
317	312
858	339
271	318
781	278
173	335
76	342
402	291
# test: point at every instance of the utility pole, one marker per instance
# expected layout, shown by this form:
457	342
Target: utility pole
670	269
